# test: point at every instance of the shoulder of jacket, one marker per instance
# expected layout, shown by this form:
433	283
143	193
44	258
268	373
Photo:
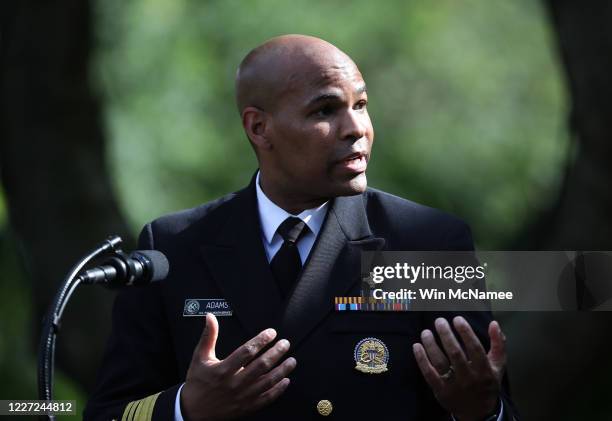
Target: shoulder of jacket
376	200
179	221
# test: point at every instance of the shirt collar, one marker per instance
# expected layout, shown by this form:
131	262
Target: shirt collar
271	215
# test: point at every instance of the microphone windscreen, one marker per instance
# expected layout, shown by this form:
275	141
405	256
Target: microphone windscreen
157	266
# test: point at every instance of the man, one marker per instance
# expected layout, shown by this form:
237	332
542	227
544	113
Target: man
273	256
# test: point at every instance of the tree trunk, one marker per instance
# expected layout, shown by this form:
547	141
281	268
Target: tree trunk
561	355
582	218
53	167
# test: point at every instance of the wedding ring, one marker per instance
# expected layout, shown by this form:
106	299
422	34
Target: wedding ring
449	374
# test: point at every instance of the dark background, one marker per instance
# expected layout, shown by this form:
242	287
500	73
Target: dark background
115	112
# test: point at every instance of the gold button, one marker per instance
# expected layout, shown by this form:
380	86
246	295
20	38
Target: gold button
325	407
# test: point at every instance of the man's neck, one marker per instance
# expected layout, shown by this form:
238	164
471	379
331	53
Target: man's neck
288	201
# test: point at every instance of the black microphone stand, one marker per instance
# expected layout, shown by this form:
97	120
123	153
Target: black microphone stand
51	322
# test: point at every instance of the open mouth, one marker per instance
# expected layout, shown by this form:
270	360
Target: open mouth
356	162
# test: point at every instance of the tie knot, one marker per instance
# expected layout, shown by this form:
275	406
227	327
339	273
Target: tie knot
292	229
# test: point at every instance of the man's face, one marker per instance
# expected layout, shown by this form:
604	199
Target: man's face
321	132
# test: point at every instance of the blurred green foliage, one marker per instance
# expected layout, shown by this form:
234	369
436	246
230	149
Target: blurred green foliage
465	95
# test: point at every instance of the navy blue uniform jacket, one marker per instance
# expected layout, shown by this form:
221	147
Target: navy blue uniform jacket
216	251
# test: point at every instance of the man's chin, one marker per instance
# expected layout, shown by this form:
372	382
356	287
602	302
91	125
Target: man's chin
354	186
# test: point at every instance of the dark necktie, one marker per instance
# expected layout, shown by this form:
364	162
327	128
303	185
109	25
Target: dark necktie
286	264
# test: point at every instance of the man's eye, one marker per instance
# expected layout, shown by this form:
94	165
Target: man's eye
361	105
325	111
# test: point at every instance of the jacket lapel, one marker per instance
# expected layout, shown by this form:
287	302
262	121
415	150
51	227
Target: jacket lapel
238	263
333	266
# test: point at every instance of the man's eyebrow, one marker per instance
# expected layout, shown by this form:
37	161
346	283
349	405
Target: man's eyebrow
333	96
323	98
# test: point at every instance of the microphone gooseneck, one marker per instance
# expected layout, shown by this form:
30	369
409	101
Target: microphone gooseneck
139	268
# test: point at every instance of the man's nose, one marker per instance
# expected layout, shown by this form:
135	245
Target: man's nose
354	126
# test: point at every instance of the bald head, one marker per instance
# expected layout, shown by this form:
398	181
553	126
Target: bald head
303	106
283	64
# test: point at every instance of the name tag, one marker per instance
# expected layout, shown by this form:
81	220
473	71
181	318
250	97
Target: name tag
200	306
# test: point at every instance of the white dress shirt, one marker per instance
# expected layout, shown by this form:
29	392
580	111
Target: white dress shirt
271	216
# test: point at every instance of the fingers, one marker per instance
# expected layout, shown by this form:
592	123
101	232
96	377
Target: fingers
497	353
473	347
435	354
451	346
205	350
269	380
272	394
265	362
247	352
429	372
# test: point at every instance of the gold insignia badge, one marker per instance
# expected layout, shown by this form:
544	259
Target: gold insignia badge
371	356
324	407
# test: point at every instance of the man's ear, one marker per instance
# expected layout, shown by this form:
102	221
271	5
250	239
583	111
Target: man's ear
256	125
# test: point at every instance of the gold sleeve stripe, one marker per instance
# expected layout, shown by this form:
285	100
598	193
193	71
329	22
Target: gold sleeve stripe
142	413
129	411
151	406
141	410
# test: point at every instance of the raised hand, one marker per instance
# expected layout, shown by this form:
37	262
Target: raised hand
467	384
240	384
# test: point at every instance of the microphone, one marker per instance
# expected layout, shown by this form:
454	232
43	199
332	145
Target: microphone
141	267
